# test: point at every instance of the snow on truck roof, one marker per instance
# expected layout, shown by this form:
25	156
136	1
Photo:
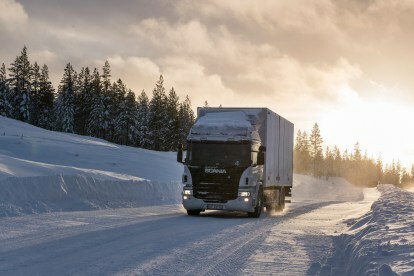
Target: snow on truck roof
223	123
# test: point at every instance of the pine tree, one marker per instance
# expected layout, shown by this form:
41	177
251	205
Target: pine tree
337	167
120	92
186	118
298	162
20	82
96	117
5	107
329	163
34	107
158	113
127	121
316	150
357	157
143	121
173	124
66	101
405	177
108	97
379	170
302	155
83	101
45	99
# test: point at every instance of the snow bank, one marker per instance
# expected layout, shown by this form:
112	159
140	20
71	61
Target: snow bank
382	241
44	171
28	195
331	189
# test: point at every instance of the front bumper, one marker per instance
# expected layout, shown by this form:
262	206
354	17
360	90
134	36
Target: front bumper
243	204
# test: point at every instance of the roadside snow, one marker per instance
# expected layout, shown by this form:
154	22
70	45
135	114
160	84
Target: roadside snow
381	242
28	195
45	171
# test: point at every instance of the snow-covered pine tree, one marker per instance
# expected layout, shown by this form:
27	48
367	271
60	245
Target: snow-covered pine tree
34	107
96	118
20	81
83	100
172	120
113	111
108	95
143	121
158	114
127	121
120	92
65	103
186	118
5	107
46	99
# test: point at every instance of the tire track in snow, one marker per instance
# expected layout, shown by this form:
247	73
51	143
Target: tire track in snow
223	253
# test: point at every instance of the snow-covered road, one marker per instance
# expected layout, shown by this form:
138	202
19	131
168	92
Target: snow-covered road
163	240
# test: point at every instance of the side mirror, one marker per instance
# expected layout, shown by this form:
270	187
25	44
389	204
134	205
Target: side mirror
180	153
261	155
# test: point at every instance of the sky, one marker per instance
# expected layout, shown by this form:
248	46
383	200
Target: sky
345	64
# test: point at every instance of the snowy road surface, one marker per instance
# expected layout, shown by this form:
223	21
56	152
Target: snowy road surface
163	240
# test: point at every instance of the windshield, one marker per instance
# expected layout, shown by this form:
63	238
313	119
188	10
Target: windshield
215	153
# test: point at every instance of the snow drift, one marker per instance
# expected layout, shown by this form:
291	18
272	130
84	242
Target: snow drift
40	194
380	242
44	171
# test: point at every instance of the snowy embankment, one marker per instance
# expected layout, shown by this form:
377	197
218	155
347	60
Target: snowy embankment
42	171
381	242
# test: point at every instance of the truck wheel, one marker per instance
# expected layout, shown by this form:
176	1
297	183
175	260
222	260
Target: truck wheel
259	205
193	212
282	198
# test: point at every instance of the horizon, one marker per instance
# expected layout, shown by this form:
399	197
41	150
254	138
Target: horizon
343	65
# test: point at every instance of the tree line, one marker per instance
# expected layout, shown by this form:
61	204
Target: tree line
89	103
311	159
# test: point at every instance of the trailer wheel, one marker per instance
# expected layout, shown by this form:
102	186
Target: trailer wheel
259	205
193	212
282	198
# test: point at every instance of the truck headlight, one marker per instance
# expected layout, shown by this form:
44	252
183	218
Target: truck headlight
188	192
245	194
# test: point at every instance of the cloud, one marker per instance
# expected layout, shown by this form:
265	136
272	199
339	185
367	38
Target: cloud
43	56
191	36
137	73
190	78
12	15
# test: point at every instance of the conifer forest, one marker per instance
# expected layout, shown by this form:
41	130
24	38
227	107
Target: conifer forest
90	103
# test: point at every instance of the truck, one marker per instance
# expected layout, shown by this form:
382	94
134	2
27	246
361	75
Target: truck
237	159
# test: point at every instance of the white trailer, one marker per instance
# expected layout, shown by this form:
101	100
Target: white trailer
237	159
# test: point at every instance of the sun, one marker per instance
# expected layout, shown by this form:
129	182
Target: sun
381	127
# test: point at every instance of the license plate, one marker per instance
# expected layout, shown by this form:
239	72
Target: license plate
214	206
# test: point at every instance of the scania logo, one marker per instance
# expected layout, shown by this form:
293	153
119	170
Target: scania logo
214	170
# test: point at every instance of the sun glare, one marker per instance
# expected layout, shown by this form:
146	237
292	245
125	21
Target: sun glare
381	128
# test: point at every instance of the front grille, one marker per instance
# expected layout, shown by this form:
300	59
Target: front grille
216	187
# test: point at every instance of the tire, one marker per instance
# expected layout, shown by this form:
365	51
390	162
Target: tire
193	212
279	205
282	197
259	205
